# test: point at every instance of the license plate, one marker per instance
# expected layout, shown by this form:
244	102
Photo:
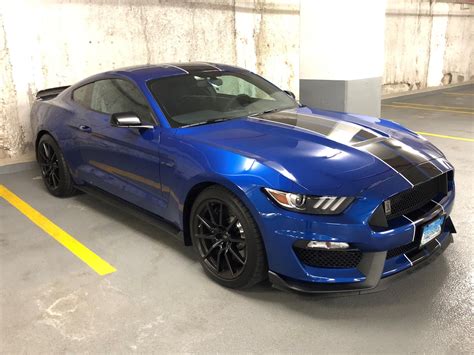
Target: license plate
431	230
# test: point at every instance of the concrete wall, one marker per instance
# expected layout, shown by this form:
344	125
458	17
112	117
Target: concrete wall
427	43
47	43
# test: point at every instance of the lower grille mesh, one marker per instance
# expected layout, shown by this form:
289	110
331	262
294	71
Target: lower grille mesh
401	249
329	258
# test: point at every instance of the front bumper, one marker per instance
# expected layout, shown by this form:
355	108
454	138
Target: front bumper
372	265
384	252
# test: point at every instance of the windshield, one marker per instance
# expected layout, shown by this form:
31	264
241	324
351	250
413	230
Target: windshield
204	98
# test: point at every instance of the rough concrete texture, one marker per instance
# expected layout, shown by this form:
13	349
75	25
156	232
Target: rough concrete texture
160	301
58	42
427	43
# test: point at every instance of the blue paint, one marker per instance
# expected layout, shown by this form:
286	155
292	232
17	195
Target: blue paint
156	169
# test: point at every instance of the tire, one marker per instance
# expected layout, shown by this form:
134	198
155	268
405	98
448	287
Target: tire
227	239
54	169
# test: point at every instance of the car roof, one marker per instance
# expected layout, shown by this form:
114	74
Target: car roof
156	71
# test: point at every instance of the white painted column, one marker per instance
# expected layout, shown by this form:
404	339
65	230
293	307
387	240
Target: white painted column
437	44
341	54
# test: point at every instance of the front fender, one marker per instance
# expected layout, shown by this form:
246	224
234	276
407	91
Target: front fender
187	164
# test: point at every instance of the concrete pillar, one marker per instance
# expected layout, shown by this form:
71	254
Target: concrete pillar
341	54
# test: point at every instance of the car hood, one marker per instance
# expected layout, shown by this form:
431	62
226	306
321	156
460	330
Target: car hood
315	148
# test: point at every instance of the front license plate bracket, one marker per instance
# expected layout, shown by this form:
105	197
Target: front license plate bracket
431	230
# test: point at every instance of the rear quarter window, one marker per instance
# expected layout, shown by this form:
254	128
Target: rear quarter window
83	94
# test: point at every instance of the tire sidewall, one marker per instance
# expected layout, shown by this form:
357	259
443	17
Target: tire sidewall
64	176
252	235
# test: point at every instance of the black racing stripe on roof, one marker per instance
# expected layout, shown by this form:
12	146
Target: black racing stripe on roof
195	67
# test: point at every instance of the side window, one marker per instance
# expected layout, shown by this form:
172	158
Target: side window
233	85
117	95
82	95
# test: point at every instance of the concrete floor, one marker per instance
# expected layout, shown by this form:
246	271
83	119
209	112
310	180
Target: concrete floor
160	300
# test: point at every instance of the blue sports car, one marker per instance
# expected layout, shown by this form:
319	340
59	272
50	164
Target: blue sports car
261	186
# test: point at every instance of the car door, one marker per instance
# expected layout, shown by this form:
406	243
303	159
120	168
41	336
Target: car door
121	161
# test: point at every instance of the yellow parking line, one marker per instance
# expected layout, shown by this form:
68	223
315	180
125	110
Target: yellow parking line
425	105
459	93
443	136
429	109
99	265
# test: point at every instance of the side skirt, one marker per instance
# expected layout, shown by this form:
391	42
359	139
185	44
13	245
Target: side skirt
134	210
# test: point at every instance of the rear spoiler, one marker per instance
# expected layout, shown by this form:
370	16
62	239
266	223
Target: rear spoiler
48	94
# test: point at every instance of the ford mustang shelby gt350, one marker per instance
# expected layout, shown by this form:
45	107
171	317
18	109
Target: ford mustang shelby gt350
261	186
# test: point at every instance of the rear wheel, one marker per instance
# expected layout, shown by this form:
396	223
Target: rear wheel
227	239
54	169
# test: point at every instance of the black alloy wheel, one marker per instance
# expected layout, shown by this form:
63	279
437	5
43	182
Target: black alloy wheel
49	164
227	239
221	238
54	169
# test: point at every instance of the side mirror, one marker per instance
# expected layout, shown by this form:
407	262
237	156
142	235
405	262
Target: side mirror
127	120
290	94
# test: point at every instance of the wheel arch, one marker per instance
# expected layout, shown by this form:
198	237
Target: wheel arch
197	188
188	205
40	134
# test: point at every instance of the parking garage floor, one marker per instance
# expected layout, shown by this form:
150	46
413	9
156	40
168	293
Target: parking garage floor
158	299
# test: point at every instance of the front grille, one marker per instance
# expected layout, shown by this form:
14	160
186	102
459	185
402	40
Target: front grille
402	249
329	258
418	196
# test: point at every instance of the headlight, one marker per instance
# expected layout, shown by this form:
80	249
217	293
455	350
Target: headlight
310	204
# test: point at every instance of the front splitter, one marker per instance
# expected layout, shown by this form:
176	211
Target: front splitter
371	265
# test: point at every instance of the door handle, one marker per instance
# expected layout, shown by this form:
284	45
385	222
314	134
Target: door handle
84	128
169	164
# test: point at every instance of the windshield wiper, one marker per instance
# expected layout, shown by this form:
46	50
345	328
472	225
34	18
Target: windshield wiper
266	111
213	120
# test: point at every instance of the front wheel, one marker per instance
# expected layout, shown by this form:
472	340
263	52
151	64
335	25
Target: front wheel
227	239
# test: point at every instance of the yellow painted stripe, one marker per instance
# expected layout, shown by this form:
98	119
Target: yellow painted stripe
459	93
443	136
429	109
424	105
86	255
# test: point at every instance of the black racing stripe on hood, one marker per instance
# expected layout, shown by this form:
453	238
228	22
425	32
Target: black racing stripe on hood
412	164
337	130
421	173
